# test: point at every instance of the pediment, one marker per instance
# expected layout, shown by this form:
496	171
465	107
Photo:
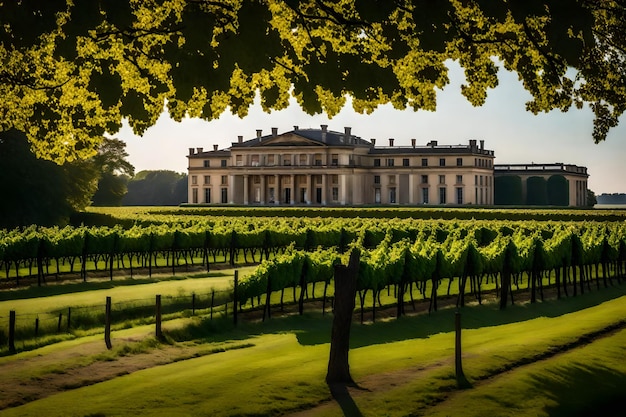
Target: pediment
290	139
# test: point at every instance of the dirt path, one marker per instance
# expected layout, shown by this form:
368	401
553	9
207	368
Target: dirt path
34	377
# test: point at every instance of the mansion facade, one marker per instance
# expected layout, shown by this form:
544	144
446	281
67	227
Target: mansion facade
324	167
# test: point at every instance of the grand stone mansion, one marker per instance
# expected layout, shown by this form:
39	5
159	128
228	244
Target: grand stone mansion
325	167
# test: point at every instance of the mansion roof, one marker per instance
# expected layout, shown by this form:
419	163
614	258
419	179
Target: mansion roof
302	138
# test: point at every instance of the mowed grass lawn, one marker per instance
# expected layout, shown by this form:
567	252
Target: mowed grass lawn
528	360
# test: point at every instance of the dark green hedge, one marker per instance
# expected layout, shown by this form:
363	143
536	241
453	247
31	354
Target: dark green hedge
558	191
536	191
508	190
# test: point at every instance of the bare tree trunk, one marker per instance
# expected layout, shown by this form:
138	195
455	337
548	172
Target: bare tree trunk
345	293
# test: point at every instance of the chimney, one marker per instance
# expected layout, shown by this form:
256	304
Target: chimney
473	144
296	127
413	142
240	139
432	143
214	147
482	145
199	150
274	131
324	127
373	140
259	132
347	131
191	151
391	142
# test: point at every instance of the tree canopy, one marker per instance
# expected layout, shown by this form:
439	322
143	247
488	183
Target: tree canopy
114	170
36	191
74	69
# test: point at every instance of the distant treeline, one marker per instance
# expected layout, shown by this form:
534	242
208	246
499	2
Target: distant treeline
156	188
612	198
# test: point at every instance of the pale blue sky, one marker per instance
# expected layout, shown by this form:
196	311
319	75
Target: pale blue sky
515	135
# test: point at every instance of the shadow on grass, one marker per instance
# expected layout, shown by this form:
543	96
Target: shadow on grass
342	396
580	390
314	328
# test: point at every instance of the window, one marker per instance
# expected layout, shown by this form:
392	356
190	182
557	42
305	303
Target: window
334	159
442	162
207	163
224	180
459	179
256	179
318	179
303	159
442	195
459	195
224	195
442	179
424	179
424	162
287	160
270	192
481	180
459	162
254	160
207	195
335	194
271	179
334	179
405	162
475	179
377	196
377	162
392	195
224	163
194	195
318	160
390	162
207	179
194	179
425	195
376	179
238	161
270	159
392	179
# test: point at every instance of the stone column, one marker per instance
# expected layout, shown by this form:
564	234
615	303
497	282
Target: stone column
293	189
231	189
309	188
324	184
343	184
263	189
277	195
246	193
412	189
